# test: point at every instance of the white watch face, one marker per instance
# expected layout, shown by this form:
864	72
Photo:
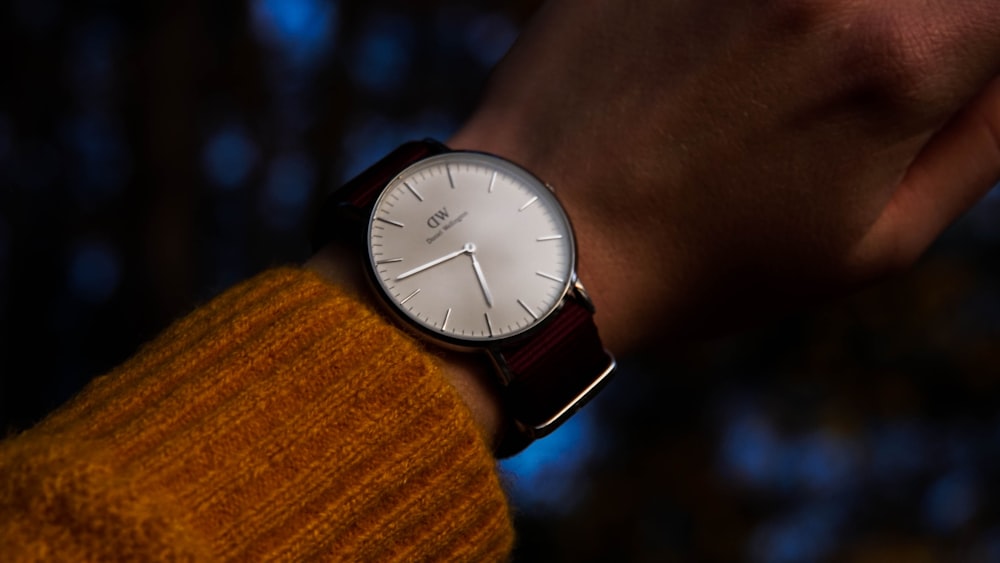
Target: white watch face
471	247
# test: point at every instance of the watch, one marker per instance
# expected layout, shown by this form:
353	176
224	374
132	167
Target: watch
474	253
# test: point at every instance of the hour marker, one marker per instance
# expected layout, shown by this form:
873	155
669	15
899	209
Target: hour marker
528	309
450	179
408	297
551	237
391	222
529	202
550	277
489	323
446	315
389	261
493	180
415	193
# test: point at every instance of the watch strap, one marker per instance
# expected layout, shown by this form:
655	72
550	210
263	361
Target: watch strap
552	374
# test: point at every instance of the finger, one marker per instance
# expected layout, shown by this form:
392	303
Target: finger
953	171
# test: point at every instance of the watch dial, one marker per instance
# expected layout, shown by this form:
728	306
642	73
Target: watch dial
471	247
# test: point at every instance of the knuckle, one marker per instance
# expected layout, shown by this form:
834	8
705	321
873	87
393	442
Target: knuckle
798	16
896	67
888	60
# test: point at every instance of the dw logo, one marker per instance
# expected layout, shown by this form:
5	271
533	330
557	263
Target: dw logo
434	221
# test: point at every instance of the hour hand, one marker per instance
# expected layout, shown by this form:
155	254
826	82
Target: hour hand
437	261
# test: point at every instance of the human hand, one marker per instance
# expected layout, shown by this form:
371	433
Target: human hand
722	160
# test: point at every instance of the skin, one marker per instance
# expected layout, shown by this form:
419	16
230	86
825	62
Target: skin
723	161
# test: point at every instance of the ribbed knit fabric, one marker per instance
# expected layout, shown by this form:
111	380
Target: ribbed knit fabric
281	421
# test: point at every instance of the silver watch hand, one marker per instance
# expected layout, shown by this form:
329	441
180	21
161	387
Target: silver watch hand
482	279
465	250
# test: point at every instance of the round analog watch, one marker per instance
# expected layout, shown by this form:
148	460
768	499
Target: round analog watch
473	252
470	247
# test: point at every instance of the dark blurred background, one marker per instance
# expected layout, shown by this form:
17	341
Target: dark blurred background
153	153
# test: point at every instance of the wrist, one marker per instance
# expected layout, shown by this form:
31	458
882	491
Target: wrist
622	293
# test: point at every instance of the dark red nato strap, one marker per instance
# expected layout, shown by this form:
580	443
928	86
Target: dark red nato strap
549	374
552	374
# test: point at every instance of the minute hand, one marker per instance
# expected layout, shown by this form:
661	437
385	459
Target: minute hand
466	249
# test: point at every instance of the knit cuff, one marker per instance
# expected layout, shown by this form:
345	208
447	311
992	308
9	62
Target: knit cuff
284	420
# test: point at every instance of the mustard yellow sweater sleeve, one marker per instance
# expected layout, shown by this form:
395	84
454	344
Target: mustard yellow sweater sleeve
282	422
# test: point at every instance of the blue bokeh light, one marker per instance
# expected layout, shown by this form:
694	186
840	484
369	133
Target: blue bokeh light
754	454
809	534
290	180
549	476
94	271
371	137
302	31
825	463
229	156
951	502
383	54
751	451
101	162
